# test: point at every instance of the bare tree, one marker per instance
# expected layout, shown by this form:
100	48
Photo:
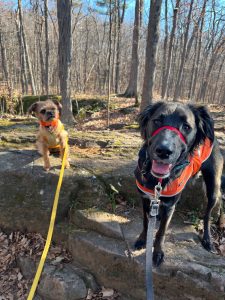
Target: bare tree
64	57
151	51
46	48
131	90
25	48
120	19
4	58
169	57
109	62
183	55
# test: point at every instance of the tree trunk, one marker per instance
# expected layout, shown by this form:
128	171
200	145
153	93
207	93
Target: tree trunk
4	59
151	51
118	46
212	61
131	90
64	57
109	62
165	49
184	50
23	72
217	81
46	48
27	57
170	50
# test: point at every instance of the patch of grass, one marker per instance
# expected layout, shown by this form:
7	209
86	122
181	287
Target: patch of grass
193	217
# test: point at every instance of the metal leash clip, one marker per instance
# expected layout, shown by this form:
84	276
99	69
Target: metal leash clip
154	205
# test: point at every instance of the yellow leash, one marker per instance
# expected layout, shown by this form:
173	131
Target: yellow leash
50	229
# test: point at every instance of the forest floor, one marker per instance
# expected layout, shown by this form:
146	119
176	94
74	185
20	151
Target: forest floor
123	120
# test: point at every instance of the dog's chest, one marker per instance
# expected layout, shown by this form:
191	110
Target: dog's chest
51	137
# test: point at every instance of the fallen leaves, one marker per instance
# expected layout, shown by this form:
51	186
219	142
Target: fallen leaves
12	283
218	238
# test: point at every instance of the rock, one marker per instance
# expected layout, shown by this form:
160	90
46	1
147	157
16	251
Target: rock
117	265
99	221
88	278
61	284
109	260
27	266
27	191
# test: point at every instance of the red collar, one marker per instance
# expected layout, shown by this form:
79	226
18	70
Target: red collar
172	129
52	123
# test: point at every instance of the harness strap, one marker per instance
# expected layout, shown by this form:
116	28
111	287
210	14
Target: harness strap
171	128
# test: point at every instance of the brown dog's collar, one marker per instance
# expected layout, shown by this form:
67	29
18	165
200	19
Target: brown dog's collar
52	123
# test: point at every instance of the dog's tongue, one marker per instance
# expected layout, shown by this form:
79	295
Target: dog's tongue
160	168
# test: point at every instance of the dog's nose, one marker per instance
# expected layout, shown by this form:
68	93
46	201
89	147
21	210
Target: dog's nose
163	151
50	113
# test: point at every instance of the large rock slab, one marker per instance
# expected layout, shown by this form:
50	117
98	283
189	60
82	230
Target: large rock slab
102	242
115	263
27	191
108	260
102	222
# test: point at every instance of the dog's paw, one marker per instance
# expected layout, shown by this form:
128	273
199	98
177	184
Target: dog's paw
158	258
208	245
67	165
47	168
140	244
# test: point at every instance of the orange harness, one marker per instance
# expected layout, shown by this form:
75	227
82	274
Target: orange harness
51	136
195	162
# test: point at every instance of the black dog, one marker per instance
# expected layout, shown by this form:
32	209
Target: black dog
178	142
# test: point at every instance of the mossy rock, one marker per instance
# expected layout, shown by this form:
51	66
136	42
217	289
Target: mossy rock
84	106
79	104
29	100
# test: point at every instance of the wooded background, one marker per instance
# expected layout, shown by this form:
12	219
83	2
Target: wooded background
108	44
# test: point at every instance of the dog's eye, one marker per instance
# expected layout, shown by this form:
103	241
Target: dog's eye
43	111
186	127
157	122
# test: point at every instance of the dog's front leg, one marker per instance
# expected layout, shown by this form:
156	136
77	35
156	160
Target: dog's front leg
141	241
63	140
166	213
212	172
43	150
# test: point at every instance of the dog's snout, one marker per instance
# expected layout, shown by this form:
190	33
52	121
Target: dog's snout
50	113
163	151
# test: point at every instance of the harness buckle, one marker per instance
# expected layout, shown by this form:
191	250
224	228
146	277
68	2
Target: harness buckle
158	190
154	208
154	204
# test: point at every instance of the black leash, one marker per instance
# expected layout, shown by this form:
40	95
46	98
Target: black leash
154	210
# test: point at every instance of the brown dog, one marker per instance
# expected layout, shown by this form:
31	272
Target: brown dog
52	136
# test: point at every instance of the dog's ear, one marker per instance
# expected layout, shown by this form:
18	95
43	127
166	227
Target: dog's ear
204	123
58	104
145	116
32	108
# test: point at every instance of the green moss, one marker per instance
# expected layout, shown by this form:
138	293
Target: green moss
132	126
5	123
29	100
80	104
83	106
